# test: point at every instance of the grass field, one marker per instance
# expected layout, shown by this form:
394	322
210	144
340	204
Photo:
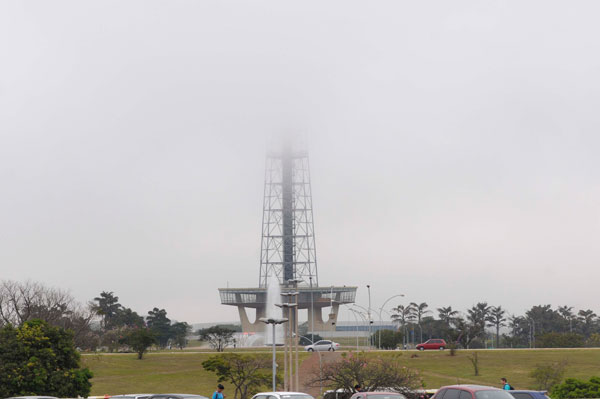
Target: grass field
182	372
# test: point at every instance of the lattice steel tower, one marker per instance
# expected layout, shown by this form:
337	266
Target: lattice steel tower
288	246
288	235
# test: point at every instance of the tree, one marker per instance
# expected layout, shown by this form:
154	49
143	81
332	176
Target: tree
140	339
107	306
21	302
447	315
217	337
39	359
587	319
126	317
402	315
387	339
560	340
566	312
160	325
547	376
496	319
179	332
419	310
372	374
477	316
247	373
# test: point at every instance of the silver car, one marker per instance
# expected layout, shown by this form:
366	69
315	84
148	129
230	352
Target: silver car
323	345
282	395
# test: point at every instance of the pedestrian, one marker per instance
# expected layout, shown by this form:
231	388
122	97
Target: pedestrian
505	385
219	392
358	388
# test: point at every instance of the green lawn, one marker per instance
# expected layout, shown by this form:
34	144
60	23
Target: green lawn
182	372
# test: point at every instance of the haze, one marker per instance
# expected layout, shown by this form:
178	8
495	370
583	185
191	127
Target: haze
453	145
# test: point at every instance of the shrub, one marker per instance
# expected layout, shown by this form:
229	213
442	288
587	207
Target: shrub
573	388
560	340
547	376
38	359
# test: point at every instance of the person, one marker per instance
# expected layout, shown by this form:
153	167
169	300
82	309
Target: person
358	388
505	385
219	392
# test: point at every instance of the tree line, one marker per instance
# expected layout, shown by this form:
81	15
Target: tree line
480	326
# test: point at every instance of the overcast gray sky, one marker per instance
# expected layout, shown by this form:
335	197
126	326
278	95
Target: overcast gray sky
454	147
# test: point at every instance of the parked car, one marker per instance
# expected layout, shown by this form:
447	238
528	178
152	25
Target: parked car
133	396
471	392
432	344
378	395
33	397
176	396
522	394
282	395
323	345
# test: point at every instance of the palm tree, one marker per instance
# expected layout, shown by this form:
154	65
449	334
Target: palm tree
447	315
586	317
420	310
478	315
496	319
567	313
402	314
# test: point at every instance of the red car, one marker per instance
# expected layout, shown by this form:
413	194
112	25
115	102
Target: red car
432	344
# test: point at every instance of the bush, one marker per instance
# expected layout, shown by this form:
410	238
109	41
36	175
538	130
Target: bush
547	376
38	359
389	339
573	389
593	341
560	340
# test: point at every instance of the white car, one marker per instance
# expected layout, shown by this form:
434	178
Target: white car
282	395
323	345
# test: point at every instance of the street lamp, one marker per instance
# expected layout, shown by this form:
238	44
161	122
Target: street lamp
287	352
274	322
380	318
369	314
364	317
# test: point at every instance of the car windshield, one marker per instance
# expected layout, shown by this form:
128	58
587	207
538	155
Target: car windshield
296	397
495	394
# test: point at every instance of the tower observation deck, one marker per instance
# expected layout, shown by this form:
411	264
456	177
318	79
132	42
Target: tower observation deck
288	248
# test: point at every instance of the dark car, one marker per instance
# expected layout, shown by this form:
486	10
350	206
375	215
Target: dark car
521	394
471	392
432	344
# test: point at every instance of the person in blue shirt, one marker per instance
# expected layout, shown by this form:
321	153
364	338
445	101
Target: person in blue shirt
219	392
505	385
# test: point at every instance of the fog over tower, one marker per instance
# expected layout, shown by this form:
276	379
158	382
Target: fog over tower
288	238
288	248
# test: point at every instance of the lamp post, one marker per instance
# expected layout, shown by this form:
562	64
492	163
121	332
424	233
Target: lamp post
364	317
312	311
295	330
369	314
356	321
287	360
381	320
273	322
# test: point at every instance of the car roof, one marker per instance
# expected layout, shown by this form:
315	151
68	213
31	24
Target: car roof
528	391
472	388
